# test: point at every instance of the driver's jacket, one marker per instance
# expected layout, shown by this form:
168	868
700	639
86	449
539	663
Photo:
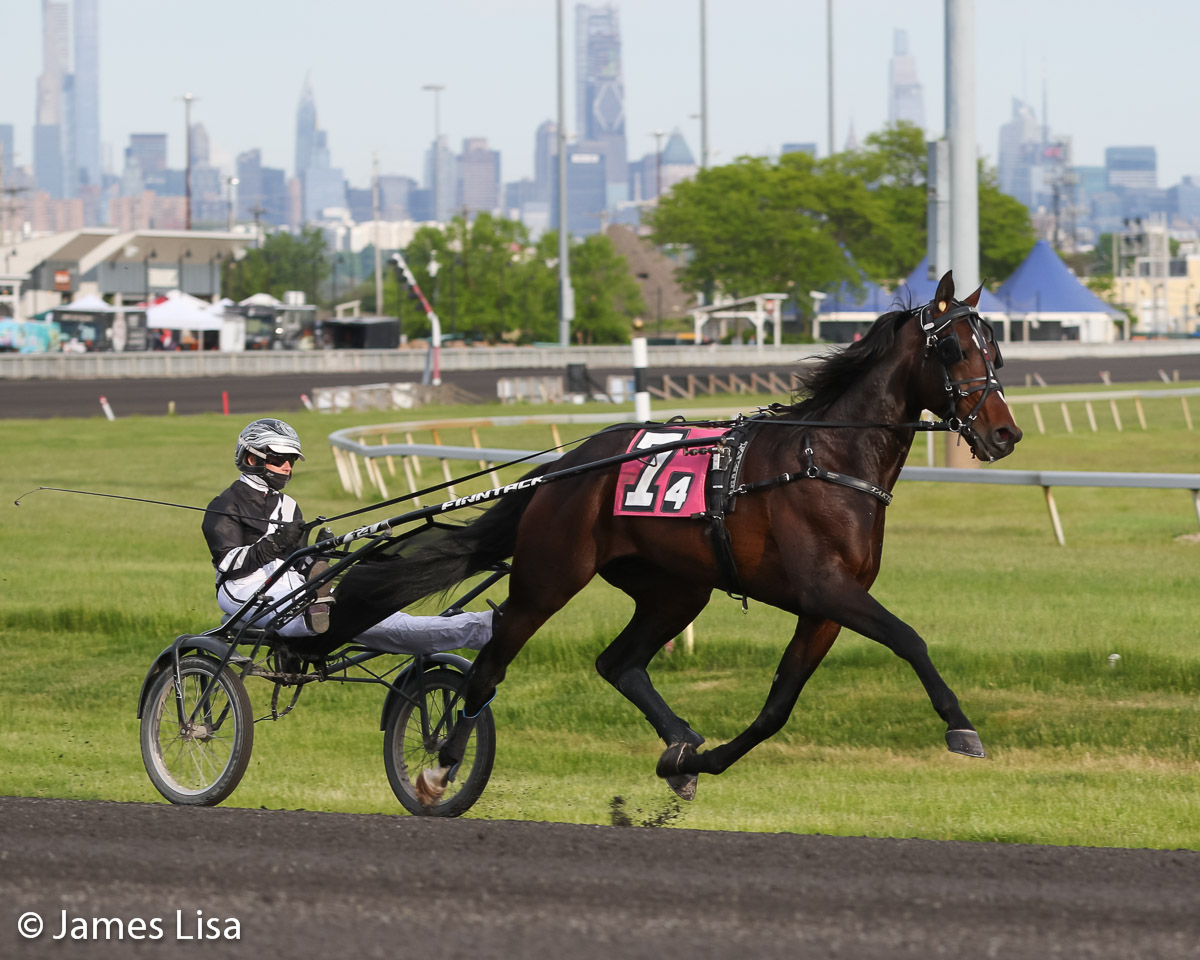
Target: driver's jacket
240	550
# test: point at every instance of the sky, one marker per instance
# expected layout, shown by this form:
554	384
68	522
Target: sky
1115	74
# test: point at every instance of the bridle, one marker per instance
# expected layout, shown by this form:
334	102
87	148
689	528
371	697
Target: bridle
942	342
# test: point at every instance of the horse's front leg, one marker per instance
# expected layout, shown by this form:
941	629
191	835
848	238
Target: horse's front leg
808	646
852	606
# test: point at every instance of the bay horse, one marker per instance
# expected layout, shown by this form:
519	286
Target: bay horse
806	535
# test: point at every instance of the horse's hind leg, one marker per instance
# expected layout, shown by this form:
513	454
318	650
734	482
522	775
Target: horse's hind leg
663	610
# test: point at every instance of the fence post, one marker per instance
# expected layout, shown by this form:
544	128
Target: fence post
1066	417
1057	524
1091	414
1116	416
1037	414
1137	402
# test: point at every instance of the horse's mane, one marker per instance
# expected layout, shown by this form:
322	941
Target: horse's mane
820	382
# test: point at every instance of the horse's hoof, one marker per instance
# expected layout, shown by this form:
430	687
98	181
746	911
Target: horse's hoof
670	767
684	785
965	742
431	786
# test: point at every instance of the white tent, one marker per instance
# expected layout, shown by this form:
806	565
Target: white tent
89	303
261	300
182	313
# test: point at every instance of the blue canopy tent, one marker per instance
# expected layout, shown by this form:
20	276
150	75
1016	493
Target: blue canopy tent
917	289
844	313
1052	304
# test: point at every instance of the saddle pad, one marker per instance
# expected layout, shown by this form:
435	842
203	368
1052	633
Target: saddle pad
667	484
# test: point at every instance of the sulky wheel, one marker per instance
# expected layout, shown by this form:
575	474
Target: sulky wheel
409	748
200	761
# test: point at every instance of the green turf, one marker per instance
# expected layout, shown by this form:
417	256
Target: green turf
1079	751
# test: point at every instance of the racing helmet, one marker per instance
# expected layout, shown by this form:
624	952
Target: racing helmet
264	437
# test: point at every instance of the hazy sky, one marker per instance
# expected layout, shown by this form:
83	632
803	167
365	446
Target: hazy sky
1116	73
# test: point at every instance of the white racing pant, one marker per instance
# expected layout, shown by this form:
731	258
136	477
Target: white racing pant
398	633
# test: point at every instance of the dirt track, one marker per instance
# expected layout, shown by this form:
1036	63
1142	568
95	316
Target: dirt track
350	886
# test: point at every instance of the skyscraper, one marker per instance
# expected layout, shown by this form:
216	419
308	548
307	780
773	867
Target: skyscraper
1131	167
306	127
440	177
478	177
600	93
86	134
545	156
1020	145
905	99
322	185
48	129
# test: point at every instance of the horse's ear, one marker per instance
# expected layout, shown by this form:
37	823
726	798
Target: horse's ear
945	294
973	300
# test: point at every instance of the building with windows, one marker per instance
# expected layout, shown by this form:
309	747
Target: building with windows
85	140
478	177
587	190
1131	167
600	93
906	101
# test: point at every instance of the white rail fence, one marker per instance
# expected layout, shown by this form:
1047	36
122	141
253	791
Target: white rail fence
355	458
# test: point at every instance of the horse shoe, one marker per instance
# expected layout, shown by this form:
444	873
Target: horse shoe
684	784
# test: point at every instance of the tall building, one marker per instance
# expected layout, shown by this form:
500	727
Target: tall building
48	131
86	169
1021	141
440	178
55	48
600	93
393	196
905	100
545	157
7	156
150	151
1131	167
478	177
306	127
48	158
587	190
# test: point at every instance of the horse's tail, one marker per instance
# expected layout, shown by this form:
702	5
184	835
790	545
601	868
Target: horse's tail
435	561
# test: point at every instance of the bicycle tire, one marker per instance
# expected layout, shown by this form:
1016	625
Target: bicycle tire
201	766
406	753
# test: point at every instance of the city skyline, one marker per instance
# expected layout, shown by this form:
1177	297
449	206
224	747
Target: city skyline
766	76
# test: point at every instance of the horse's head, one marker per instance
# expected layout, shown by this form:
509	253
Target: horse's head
958	372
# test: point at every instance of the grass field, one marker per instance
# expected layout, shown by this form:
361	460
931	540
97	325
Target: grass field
1080	752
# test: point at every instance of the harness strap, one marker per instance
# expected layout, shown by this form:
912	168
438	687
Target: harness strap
813	472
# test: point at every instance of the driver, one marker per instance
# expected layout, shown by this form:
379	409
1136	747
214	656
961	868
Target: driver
267	526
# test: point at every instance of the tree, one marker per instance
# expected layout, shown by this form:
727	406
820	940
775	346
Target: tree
1005	231
607	297
754	226
283	262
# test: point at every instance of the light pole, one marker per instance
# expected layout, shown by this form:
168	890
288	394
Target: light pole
187	99
703	87
230	183
829	67
436	89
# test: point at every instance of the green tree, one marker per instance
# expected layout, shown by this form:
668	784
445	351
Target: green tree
283	262
607	297
753	226
1005	231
